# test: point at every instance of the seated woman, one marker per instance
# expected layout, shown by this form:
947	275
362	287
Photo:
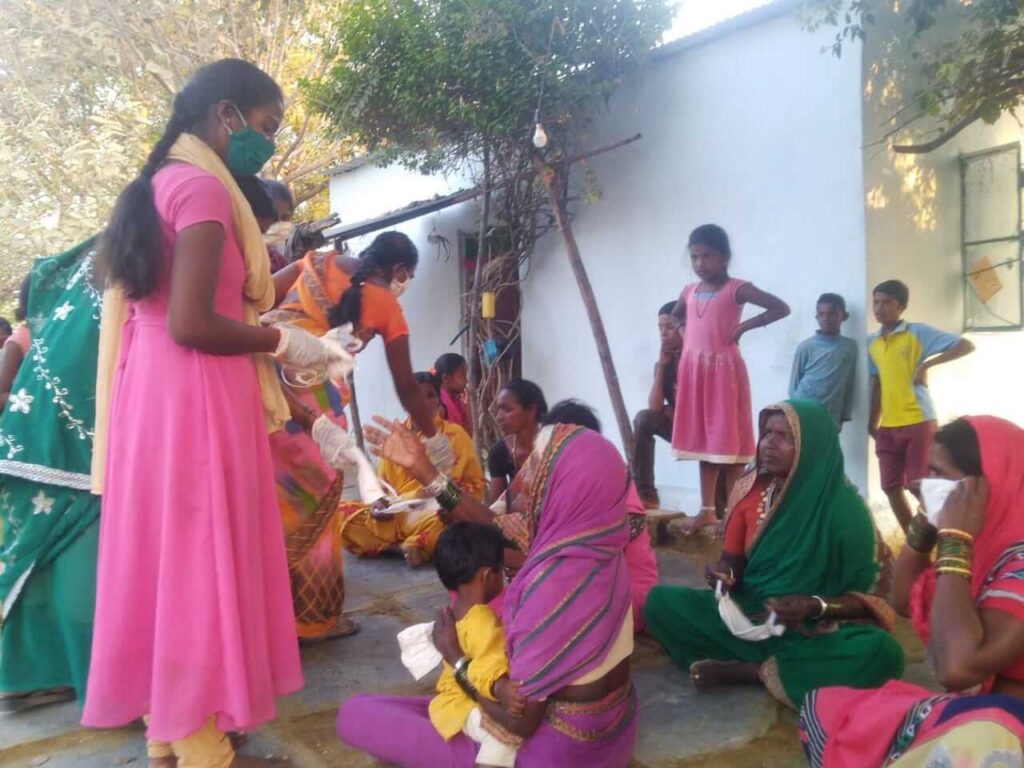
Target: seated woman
640	559
968	607
521	407
800	543
413	533
569	638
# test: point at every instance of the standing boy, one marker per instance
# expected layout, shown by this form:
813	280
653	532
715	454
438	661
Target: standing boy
656	419
899	356
825	364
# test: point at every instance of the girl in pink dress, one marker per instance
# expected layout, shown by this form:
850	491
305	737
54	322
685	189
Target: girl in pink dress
713	420
194	624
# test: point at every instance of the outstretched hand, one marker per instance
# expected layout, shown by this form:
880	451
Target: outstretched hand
395	442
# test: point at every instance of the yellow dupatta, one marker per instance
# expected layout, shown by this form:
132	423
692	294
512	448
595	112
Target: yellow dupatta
259	297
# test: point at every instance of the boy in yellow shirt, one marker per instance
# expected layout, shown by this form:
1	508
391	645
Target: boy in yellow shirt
902	419
469	559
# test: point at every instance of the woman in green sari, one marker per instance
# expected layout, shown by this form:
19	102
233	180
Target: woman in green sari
802	556
48	517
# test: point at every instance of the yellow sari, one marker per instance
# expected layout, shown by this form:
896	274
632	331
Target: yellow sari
365	536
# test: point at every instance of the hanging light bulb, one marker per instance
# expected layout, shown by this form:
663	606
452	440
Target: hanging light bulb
540	137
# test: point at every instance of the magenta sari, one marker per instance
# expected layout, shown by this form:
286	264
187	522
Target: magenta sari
562	613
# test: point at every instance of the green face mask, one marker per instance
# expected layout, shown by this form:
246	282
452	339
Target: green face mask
248	149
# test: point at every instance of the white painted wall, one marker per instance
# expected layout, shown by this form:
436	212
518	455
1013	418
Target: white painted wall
756	131
913	234
431	303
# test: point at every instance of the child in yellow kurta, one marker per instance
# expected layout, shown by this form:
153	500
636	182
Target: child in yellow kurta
415	534
469	559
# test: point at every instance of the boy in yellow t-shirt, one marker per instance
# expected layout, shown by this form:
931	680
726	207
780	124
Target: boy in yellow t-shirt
468	559
902	419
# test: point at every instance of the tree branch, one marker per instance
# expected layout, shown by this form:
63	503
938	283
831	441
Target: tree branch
938	141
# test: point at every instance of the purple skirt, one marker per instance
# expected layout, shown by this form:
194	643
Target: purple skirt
397	729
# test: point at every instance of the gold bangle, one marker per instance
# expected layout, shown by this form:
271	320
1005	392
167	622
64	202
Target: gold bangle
952	563
956	562
950	570
957	534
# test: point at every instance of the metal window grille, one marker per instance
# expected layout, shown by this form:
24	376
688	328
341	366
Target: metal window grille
991	239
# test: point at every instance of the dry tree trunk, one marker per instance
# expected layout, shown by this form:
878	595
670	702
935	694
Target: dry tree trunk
475	363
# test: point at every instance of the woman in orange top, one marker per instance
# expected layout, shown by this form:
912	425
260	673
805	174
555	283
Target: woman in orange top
319	292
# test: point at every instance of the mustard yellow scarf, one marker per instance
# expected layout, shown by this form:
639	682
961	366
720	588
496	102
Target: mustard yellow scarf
259	297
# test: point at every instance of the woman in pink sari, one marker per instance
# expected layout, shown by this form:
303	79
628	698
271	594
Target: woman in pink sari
569	637
968	607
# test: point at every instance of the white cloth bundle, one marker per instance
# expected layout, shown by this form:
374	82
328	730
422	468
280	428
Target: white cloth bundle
738	623
419	655
934	492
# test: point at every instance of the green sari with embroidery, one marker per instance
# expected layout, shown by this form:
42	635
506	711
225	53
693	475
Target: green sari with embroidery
817	538
49	520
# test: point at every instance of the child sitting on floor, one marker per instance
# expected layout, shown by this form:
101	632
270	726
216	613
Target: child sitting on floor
469	562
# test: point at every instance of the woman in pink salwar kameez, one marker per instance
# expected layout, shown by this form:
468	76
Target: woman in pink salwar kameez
194	625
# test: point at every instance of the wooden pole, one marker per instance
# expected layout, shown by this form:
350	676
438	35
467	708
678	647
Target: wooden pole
357	423
549	177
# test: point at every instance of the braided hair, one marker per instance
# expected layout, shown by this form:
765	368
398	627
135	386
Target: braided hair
387	251
130	251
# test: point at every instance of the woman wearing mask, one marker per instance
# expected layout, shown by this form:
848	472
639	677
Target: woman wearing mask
329	290
193	613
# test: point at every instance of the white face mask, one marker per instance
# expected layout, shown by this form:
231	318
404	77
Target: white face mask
934	492
398	286
737	622
277	233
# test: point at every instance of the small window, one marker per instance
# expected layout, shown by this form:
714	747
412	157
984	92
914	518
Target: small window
990	195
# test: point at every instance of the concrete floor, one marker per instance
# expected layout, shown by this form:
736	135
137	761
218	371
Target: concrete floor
739	728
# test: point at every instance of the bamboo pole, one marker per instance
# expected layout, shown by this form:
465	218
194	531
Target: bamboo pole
549	176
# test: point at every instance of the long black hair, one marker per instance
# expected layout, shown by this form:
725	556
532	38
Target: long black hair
387	251
21	311
130	252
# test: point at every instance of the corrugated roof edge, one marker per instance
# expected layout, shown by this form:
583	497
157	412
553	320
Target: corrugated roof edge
722	29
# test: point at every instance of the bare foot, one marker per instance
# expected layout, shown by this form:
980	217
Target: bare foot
163	762
414	557
711	673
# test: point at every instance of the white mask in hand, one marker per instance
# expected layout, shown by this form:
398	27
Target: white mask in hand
736	620
934	492
419	654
